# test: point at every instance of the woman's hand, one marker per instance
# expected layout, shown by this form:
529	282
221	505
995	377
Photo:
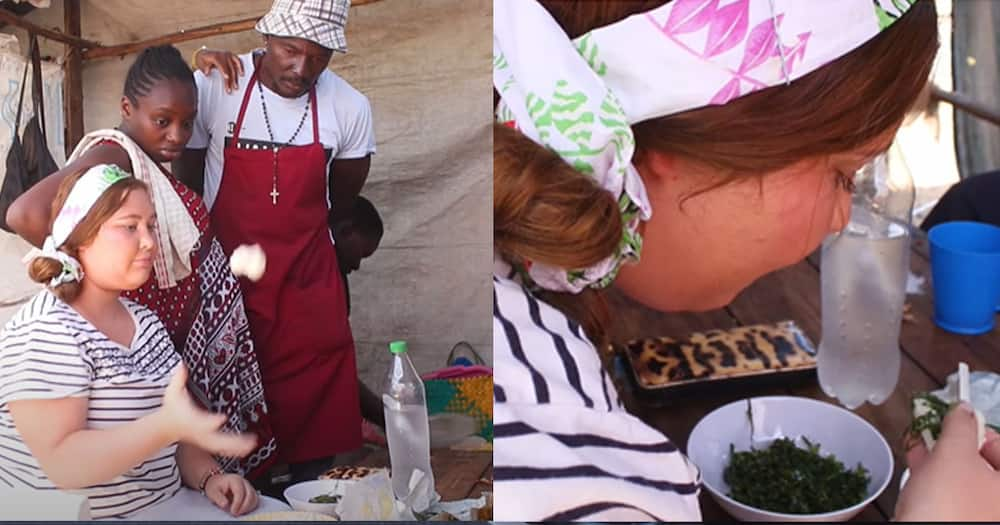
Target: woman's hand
232	493
185	422
227	63
955	482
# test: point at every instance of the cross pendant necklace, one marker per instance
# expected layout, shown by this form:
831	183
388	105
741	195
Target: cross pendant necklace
274	179
275	147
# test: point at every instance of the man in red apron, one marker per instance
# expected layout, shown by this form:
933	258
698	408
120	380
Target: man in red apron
291	145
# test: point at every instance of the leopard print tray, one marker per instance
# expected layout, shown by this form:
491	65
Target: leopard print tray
349	472
746	352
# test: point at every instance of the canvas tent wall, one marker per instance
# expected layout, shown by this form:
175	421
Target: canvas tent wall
14	284
425	67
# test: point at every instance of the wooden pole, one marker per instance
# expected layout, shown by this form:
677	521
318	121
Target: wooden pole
16	21
224	28
967	105
173	38
73	83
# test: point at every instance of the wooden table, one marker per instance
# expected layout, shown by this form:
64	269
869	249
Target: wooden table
929	355
458	474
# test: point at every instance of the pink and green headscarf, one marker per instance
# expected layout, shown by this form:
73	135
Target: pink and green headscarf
580	97
85	193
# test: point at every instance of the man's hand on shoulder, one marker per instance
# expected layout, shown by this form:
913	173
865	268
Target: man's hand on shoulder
229	65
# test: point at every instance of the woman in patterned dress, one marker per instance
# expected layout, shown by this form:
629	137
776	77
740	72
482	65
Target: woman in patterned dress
192	291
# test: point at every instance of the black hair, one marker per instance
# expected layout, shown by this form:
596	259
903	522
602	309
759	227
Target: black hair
153	64
366	218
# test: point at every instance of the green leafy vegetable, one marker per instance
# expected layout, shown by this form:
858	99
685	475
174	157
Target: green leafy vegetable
325	498
931	421
788	479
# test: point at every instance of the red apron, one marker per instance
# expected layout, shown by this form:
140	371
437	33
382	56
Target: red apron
297	311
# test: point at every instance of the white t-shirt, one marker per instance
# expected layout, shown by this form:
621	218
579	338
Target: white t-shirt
49	351
564	449
345	120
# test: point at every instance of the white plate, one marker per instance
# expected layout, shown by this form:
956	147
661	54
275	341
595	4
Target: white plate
191	505
289	516
299	494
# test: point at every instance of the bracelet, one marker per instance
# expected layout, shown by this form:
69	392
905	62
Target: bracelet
204	480
194	57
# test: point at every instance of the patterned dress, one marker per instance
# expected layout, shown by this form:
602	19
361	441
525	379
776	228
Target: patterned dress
206	320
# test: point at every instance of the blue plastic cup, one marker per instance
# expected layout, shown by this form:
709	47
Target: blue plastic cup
965	270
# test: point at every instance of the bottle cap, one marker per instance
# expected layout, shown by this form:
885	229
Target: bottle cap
397	347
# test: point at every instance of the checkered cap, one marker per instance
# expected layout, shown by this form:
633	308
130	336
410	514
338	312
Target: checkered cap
319	21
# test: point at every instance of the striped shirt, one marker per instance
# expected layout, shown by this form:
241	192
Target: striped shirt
49	351
564	447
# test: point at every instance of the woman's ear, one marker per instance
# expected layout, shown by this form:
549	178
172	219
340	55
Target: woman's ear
683	177
126	108
656	167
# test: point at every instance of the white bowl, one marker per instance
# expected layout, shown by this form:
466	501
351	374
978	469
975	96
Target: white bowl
838	431
299	494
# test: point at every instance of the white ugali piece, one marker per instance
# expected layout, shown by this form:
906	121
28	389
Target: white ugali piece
248	261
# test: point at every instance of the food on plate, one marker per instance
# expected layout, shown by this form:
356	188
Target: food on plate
792	480
929	411
325	498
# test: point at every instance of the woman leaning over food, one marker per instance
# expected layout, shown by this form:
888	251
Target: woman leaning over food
720	142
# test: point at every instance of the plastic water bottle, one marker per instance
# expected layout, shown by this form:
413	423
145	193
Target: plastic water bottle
863	273
407	430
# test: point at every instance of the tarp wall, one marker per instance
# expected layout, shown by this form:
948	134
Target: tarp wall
425	67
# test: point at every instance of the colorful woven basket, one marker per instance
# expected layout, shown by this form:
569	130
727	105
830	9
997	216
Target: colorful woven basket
463	389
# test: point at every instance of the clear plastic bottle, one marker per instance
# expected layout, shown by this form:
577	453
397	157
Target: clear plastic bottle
863	274
407	429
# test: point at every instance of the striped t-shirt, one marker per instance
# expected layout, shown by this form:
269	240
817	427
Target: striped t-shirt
49	351
564	447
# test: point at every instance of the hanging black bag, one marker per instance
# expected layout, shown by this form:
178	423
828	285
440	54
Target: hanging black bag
29	159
